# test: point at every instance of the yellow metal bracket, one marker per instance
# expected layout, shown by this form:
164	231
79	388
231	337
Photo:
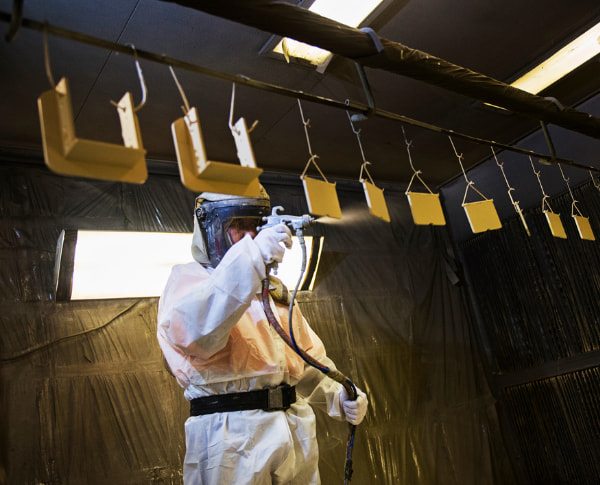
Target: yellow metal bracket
321	196
584	228
425	208
66	154
375	200
482	215
202	175
373	194
199	174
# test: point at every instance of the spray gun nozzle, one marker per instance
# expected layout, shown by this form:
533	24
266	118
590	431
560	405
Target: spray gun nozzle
294	223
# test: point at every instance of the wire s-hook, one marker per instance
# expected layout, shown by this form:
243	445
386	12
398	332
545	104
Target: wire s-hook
470	183
574	203
47	58
365	164
313	157
186	105
545	196
416	173
514	202
231	106
142	82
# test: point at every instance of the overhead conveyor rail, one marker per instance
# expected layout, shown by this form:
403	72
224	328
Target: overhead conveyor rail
352	43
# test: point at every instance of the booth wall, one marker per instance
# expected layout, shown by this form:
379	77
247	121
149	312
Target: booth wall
539	324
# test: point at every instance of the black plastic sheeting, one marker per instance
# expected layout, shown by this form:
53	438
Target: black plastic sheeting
539	318
305	26
85	397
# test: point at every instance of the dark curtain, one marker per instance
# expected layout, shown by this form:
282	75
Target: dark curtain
538	318
84	394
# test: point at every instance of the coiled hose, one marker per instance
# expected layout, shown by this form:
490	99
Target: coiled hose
334	374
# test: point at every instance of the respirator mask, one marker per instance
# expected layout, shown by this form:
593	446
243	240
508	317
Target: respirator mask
215	217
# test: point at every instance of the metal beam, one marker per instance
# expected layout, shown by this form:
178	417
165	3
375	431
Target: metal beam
305	26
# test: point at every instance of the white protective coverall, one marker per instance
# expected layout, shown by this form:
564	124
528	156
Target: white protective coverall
216	339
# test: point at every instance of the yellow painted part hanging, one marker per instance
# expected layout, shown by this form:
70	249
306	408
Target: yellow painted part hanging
482	215
201	175
584	228
321	198
376	201
556	226
66	154
426	208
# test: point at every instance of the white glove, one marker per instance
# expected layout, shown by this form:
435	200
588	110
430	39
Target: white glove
354	411
268	241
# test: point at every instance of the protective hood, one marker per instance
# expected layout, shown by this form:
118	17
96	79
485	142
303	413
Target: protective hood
212	213
199	251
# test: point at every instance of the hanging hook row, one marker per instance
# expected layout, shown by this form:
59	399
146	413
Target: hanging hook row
273	88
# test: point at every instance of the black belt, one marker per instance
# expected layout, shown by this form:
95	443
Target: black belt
270	399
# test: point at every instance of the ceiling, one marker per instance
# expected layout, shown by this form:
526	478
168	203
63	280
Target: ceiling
498	39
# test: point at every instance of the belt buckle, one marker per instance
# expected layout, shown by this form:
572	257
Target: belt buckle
275	398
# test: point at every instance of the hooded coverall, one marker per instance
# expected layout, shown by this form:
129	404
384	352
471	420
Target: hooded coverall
216	339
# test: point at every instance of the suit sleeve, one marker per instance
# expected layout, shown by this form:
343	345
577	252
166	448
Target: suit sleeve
198	310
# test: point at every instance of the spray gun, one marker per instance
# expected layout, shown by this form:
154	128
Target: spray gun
296	224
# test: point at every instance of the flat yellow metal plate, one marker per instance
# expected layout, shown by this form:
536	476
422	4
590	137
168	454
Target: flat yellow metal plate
556	226
72	156
207	176
426	208
584	228
321	198
376	201
482	216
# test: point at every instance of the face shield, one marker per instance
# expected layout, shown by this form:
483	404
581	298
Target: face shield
216	217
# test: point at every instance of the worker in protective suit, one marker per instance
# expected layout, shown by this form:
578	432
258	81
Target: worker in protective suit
251	418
